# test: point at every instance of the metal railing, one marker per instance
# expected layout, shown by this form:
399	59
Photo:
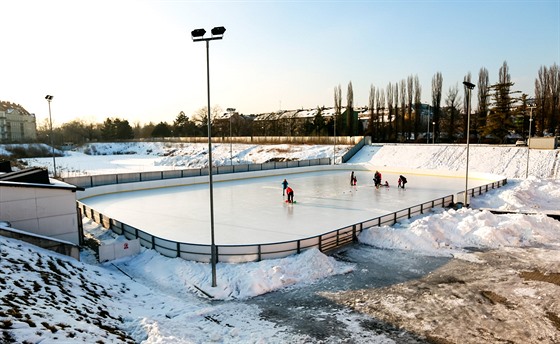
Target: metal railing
326	242
134	177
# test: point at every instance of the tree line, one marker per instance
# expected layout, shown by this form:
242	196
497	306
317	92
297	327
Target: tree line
394	114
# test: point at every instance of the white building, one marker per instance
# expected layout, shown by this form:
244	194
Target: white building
32	202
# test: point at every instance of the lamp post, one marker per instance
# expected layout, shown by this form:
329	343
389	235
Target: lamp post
532	106
198	36
231	111
434	133
334	146
428	131
49	99
469	87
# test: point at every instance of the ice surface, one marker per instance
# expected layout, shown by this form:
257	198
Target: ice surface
253	211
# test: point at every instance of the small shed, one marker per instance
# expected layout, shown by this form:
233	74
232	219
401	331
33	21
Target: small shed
33	202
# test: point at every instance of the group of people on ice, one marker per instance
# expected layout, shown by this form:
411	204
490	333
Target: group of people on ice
287	190
377	181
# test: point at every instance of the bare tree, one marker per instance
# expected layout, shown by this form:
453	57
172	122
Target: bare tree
410	96
350	127
371	107
381	114
390	109
482	109
403	109
396	109
417	105
452	112
337	108
437	83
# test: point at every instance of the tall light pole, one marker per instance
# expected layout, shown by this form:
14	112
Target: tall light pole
49	98
469	87
334	146
428	131
231	112
434	133
532	106
198	36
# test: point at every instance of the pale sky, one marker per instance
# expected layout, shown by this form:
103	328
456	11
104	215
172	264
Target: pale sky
136	60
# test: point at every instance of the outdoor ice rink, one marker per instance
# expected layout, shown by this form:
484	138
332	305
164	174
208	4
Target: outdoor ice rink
253	211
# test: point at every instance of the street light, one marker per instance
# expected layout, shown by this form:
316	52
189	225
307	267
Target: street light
434	134
469	87
231	111
428	131
198	36
334	145
49	99
532	106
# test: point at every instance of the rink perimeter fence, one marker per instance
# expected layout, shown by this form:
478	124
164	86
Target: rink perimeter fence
327	242
135	177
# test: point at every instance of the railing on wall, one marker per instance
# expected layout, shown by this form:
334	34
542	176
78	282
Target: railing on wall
134	177
255	252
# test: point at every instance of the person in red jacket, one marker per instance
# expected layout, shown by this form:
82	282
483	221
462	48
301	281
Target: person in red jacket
290	193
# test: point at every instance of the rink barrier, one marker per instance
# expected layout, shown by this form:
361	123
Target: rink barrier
327	242
135	177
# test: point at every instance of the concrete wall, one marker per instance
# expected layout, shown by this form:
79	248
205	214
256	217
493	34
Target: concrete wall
49	212
58	246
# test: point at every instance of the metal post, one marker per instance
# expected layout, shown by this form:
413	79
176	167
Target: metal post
49	99
213	243
529	142
434	134
469	87
198	36
428	131
334	146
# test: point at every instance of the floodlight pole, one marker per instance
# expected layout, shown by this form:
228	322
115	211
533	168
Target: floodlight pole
198	36
231	112
334	145
529	140
469	87
49	99
428	131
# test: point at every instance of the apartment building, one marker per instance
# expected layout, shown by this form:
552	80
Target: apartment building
16	124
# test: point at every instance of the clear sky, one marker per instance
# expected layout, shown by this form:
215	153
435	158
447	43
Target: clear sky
136	60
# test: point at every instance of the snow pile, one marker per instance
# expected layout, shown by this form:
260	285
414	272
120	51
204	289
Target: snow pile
451	232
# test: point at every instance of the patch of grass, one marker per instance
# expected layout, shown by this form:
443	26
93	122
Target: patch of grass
49	327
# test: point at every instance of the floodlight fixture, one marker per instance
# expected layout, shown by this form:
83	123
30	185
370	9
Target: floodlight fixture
218	31
198	33
48	97
468	85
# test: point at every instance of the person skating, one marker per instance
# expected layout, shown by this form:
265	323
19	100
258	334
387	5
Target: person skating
352	179
402	181
284	186
290	193
377	179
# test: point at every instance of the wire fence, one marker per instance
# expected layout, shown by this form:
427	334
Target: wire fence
326	242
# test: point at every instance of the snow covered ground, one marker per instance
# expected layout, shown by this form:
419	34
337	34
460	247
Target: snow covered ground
452	276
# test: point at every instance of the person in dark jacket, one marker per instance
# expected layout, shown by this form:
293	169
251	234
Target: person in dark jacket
402	181
284	186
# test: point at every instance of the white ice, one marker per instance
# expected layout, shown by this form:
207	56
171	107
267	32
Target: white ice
253	211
